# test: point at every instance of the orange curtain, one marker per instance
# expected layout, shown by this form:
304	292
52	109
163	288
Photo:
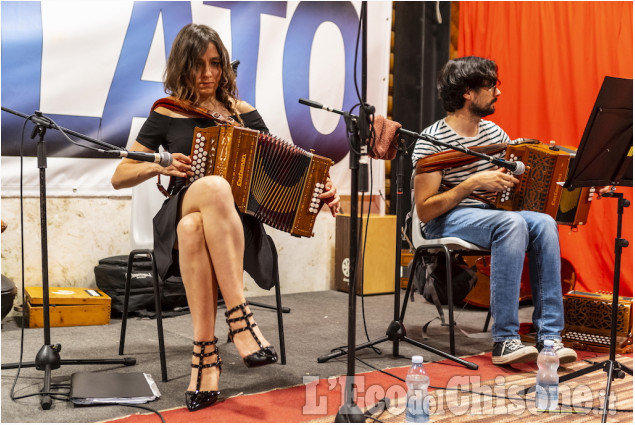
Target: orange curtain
552	58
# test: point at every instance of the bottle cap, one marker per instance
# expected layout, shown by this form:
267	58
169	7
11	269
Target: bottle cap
548	342
417	359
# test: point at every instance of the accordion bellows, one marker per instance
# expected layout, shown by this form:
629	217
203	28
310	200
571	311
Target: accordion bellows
275	181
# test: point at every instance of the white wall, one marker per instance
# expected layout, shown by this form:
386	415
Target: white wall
81	231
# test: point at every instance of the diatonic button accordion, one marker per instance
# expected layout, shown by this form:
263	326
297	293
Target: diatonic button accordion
540	188
587	318
273	180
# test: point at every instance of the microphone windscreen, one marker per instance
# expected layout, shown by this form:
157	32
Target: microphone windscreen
520	168
385	146
165	159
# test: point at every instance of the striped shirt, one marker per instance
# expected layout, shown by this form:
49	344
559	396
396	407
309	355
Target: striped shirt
488	133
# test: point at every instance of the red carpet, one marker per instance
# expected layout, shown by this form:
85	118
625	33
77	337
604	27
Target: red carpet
305	403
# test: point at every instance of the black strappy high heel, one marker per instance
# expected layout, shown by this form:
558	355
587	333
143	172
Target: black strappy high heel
195	400
264	356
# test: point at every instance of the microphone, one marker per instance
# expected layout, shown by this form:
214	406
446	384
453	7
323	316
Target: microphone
516	167
164	159
314	104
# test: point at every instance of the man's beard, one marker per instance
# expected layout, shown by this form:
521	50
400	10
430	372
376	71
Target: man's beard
480	111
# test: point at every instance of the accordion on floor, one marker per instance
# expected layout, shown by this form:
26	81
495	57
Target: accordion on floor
540	188
275	181
587	318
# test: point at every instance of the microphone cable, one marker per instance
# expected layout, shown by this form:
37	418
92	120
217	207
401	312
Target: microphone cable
21	356
363	256
23	275
60	396
55	126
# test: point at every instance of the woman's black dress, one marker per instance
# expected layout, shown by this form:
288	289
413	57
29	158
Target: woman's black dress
175	135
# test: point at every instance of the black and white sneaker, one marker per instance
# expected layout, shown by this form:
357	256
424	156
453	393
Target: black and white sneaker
566	355
513	351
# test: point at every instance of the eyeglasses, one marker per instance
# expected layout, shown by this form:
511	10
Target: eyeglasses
493	86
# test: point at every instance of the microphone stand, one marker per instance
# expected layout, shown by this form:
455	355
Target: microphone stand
396	331
349	412
48	357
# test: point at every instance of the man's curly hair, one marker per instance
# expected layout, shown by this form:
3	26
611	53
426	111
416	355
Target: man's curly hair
462	74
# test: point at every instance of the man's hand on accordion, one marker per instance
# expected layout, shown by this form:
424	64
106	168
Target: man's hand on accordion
494	180
330	197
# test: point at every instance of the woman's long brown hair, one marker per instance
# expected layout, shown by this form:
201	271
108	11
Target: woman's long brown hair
188	47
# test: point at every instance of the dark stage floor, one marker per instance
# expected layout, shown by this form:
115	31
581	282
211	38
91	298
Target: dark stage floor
317	323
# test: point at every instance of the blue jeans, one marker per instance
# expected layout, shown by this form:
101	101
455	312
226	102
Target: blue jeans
509	235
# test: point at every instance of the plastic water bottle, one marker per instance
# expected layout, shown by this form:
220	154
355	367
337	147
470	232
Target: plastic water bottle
547	378
417	402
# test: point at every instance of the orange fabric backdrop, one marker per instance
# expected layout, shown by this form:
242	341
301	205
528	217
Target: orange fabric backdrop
552	58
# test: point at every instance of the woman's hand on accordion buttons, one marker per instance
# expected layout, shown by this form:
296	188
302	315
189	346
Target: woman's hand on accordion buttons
180	167
330	197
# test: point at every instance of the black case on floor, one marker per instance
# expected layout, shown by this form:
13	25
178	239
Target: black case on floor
110	276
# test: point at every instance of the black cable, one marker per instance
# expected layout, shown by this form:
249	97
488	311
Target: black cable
138	406
61	130
373	418
359	31
41	393
363	256
17	375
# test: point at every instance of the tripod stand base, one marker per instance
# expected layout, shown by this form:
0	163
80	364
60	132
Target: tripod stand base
396	332
126	361
48	359
350	413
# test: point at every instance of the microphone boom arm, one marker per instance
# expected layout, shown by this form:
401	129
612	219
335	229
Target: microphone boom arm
515	167
43	121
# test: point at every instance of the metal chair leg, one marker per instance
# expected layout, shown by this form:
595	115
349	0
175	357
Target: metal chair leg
283	355
143	254
448	276
126	299
489	316
159	314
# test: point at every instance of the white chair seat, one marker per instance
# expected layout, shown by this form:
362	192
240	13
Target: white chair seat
447	245
453	243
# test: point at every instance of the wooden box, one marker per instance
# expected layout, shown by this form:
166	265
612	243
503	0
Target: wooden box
67	307
379	259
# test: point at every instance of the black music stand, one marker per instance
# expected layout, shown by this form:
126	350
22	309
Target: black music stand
605	155
605	158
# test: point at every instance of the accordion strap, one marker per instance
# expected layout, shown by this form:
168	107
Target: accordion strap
189	107
451	158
